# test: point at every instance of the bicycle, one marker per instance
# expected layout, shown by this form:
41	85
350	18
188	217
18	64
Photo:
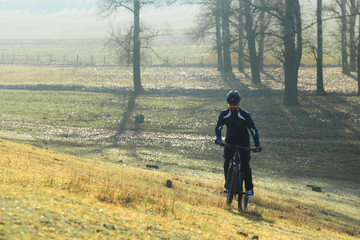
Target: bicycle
234	181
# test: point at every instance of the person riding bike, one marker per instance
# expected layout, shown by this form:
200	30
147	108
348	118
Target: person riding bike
237	122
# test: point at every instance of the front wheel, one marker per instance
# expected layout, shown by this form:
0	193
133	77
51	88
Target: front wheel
229	198
246	200
242	196
233	186
230	194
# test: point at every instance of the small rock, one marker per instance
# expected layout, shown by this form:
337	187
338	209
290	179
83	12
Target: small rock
169	183
139	118
152	166
109	226
316	189
242	233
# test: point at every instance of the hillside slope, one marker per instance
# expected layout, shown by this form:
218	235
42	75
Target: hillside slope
50	195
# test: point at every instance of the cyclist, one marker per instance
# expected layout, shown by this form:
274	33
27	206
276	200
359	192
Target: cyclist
237	122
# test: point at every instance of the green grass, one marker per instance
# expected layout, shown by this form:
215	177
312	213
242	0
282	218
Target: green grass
96	52
90	112
85	51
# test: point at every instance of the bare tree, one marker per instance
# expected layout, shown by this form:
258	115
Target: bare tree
319	58
344	55
210	22
226	39
250	32
122	43
358	59
287	13
263	22
352	42
241	36
219	49
110	7
292	53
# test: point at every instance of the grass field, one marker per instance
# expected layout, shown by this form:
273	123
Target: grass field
88	154
97	52
167	50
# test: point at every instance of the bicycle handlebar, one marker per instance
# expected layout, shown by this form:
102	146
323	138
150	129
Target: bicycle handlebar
238	147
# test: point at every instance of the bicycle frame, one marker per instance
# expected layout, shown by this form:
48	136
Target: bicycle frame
234	179
234	162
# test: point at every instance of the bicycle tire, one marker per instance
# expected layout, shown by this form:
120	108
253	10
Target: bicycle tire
230	195
240	194
233	185
243	198
246	200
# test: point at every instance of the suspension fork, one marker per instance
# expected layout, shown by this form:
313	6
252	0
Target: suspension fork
234	163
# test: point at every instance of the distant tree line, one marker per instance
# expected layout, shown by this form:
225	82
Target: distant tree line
251	29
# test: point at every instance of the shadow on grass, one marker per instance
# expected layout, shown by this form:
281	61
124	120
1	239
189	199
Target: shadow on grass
251	215
179	91
230	79
350	75
122	128
235	83
124	122
126	117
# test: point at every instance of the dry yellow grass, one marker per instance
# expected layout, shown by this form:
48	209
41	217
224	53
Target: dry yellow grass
49	195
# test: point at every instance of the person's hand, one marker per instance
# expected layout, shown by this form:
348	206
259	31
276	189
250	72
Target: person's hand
257	149
219	142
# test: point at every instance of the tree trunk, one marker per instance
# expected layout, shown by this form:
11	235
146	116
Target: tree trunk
254	60
319	60
136	55
226	35
358	62
352	39
262	37
241	37
290	62
344	55
298	32
220	65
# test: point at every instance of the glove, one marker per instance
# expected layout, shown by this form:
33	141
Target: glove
219	142
257	149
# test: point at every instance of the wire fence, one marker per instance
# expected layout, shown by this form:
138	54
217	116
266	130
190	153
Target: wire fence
109	60
95	60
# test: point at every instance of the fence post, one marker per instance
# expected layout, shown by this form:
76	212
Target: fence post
77	59
202	60
184	61
104	60
92	60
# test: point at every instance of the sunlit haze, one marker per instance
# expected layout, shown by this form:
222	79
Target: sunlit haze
25	19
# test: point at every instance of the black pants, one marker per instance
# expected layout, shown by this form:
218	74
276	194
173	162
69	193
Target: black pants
245	165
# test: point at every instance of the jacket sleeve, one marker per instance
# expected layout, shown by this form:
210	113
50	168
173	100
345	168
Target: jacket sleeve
219	126
253	130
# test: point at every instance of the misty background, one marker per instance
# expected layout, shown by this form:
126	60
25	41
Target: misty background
43	19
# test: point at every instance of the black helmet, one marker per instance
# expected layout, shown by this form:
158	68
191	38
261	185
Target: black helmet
233	97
